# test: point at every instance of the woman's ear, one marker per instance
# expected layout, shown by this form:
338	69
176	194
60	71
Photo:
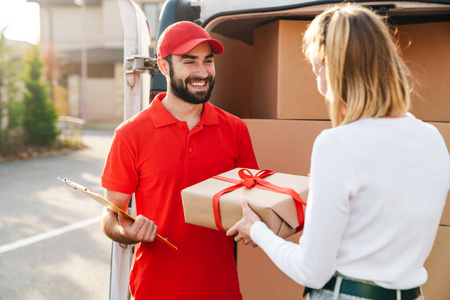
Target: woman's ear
343	109
163	66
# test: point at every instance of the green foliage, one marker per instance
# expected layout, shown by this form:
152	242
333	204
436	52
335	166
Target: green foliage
11	108
40	115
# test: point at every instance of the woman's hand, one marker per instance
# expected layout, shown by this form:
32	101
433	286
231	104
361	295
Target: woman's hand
241	229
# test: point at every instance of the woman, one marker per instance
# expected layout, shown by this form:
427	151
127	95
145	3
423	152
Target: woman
379	177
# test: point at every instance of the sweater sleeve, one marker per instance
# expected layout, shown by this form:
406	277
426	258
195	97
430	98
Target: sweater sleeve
312	262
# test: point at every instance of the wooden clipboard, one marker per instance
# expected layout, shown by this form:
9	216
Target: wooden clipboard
107	204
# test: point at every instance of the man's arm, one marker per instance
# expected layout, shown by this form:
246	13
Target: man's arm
123	230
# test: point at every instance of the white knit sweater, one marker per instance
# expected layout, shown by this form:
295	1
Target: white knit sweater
377	191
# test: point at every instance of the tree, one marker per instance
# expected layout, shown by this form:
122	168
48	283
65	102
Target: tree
40	114
11	108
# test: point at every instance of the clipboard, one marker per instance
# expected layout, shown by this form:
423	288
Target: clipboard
107	204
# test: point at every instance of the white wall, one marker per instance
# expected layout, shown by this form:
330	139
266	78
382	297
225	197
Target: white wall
63	25
100	100
112	25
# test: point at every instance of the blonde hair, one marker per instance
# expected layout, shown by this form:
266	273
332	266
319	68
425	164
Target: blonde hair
365	73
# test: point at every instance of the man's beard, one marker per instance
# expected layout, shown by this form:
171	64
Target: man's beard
180	89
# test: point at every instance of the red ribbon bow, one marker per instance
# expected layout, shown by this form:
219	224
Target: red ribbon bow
249	181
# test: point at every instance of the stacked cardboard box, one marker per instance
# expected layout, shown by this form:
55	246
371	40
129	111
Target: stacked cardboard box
260	279
438	267
284	86
444	129
234	70
426	50
285	145
271	85
438	263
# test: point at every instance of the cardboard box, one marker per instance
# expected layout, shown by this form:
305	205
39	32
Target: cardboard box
438	267
275	209
284	86
445	219
233	89
444	129
426	48
285	145
260	279
275	81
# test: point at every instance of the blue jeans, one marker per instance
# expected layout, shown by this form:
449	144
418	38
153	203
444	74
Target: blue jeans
328	295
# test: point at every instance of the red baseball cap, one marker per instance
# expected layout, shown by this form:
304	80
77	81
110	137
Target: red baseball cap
181	37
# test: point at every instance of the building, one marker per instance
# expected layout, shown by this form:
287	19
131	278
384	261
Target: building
82	44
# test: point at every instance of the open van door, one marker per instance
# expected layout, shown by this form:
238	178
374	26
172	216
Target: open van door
138	66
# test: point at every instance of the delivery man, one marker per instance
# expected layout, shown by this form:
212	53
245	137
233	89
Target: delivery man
180	140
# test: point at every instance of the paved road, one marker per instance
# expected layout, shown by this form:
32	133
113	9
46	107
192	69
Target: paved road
51	243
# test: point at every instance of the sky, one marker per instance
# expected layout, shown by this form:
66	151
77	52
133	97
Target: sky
21	19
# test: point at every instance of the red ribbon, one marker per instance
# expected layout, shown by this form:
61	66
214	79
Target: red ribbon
250	181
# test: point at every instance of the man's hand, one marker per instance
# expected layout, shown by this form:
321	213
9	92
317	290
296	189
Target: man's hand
241	229
123	230
140	230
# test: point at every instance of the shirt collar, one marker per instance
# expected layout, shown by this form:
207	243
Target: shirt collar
162	117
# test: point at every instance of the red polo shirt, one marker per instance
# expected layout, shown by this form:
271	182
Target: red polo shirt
155	156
